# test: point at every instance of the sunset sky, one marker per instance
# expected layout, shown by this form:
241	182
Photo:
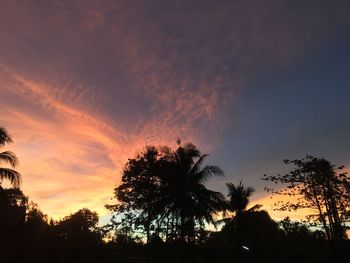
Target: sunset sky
84	85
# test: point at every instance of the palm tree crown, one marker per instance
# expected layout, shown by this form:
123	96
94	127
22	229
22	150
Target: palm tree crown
239	196
10	158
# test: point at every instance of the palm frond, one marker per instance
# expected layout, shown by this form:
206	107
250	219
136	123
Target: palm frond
196	167
254	208
9	157
13	176
207	172
191	150
216	198
4	136
240	189
239	196
233	190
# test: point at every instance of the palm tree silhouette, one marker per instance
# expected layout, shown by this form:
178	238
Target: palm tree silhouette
238	201
183	194
238	197
10	158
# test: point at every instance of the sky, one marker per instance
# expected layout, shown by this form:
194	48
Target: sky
85	85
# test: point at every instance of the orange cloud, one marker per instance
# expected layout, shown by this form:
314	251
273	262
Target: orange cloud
69	163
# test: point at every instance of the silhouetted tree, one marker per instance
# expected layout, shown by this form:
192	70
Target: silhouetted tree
238	201
183	195
13	205
255	237
36	222
295	230
13	197
238	197
163	191
316	185
10	158
302	244
138	193
80	226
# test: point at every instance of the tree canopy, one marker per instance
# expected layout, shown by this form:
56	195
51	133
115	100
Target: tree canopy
317	186
163	192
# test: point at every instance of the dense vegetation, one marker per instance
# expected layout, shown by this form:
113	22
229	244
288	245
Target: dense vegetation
163	211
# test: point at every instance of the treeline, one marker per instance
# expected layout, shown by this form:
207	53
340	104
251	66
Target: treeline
163	212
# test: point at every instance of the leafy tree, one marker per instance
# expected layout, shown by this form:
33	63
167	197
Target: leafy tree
302	244
34	213
36	221
10	158
13	204
295	230
13	197
137	193
163	191
80	226
316	185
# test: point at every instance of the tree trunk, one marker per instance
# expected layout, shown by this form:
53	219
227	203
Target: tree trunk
322	219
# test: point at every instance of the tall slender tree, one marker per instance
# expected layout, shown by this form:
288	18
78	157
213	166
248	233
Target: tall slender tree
10	158
316	185
184	196
237	203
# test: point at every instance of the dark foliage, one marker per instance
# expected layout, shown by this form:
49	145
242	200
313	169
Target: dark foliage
163	193
316	185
